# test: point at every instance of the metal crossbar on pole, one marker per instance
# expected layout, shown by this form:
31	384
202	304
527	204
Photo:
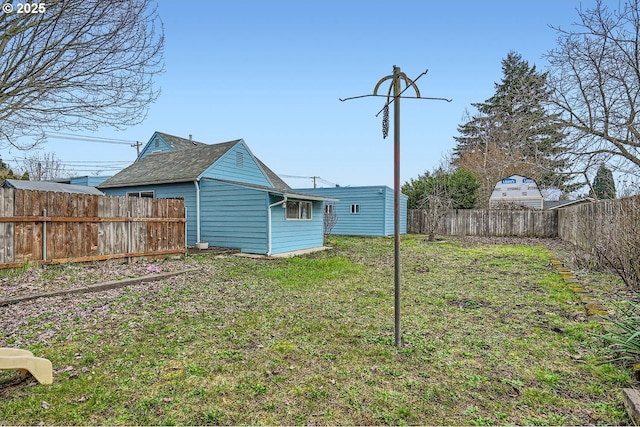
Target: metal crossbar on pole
396	79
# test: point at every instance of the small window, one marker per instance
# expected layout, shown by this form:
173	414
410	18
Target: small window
298	210
239	159
328	209
148	194
355	209
156	142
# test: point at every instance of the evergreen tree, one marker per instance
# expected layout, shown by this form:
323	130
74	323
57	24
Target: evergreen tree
604	187
7	173
459	187
513	131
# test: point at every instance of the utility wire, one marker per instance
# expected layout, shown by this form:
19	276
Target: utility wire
87	138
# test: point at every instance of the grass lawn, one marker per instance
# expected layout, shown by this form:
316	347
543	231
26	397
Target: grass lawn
491	335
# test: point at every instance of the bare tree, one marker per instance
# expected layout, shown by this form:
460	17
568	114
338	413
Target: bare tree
43	166
435	203
330	219
76	65
434	208
595	81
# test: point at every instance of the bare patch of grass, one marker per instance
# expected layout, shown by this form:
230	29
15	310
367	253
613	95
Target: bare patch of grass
491	335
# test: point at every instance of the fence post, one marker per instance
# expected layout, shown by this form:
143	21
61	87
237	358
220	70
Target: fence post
129	236
44	235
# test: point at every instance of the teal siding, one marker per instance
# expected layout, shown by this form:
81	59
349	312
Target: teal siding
292	235
376	210
168	191
89	181
389	213
233	216
238	164
155	145
236	216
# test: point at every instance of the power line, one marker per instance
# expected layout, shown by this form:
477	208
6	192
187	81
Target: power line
87	138
315	179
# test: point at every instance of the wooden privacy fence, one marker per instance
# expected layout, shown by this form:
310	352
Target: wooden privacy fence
588	224
55	227
488	222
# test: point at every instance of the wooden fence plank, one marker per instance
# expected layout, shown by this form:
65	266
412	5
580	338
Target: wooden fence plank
488	222
83	227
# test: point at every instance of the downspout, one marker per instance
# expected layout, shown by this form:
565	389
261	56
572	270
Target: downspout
281	202
197	209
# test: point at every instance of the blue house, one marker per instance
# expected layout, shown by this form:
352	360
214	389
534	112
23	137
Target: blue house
232	198
362	211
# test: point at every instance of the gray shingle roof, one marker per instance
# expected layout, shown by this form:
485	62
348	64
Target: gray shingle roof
183	164
50	186
178	143
278	183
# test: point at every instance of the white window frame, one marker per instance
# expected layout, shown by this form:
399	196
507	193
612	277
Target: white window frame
298	207
328	208
355	208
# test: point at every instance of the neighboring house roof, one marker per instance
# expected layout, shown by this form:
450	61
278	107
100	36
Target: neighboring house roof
180	165
557	204
50	186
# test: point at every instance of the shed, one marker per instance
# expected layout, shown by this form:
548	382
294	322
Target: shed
516	191
232	198
86	180
559	204
363	210
50	186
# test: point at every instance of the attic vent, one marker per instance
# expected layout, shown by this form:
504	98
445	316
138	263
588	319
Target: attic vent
239	159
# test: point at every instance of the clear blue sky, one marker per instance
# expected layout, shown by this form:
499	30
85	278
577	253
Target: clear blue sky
271	73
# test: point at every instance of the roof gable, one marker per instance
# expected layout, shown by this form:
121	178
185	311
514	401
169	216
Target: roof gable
174	166
240	165
186	160
163	143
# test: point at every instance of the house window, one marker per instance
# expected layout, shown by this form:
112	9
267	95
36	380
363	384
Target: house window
156	143
239	159
355	209
328	209
298	210
148	194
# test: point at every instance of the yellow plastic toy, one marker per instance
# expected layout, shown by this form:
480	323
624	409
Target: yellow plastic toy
24	360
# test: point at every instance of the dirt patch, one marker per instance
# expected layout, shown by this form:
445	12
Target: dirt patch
467	303
50	278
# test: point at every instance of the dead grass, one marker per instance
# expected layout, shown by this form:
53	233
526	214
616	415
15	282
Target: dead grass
491	335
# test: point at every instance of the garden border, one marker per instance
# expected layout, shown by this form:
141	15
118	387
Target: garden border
104	286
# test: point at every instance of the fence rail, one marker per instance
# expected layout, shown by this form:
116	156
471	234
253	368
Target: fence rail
488	222
54	227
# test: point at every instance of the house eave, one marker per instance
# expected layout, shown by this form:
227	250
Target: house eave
304	196
144	183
